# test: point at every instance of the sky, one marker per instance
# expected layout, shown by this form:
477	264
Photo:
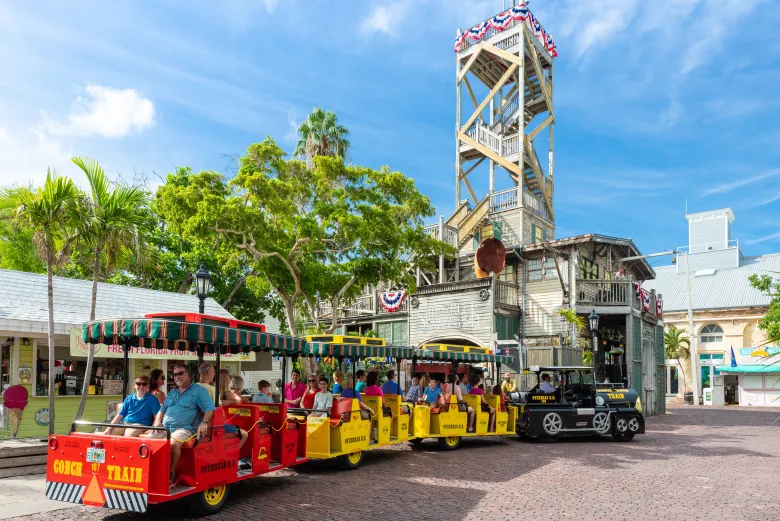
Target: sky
660	105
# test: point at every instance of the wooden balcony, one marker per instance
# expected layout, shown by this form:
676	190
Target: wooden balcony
611	293
365	306
507	295
445	233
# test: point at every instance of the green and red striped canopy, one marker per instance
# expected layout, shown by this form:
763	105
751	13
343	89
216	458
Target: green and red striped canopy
448	356
168	334
356	350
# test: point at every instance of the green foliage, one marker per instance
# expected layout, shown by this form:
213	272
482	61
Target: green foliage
770	323
321	135
16	251
677	347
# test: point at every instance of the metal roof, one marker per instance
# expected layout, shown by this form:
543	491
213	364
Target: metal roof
23	302
726	288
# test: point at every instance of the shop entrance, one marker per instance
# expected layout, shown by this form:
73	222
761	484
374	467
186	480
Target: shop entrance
731	385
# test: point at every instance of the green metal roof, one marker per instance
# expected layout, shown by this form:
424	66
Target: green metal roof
748	369
424	354
169	334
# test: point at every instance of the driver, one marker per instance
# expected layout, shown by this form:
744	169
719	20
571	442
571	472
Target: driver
546	386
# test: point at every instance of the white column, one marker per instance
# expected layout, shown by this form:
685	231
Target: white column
692	335
441	257
458	89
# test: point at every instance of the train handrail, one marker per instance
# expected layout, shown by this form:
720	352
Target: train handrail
120	426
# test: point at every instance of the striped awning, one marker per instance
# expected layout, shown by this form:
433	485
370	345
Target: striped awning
185	336
361	351
448	356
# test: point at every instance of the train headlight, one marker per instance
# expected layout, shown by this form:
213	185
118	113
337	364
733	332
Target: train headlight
599	400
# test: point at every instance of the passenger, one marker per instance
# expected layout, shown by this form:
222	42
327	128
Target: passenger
467	383
338	380
187	412
324	398
293	391
508	386
486	407
138	408
349	392
503	397
307	401
390	386
372	389
264	386
424	381
157	384
415	392
459	397
230	394
546	385
462	385
432	393
207	372
361	383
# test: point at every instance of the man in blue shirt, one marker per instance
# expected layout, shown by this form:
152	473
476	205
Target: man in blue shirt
138	409
432	393
186	412
390	387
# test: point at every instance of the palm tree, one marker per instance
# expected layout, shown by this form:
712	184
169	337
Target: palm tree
114	215
571	318
48	211
321	135
677	348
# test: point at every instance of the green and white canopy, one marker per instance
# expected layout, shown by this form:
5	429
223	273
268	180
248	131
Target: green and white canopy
185	336
356	350
449	356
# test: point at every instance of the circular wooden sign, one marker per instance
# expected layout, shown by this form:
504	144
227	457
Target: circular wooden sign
491	257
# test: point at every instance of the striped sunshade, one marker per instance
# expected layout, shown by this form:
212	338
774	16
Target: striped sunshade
424	354
167	334
363	351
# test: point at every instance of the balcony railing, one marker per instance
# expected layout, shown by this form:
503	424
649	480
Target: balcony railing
510	199
450	233
604	292
364	306
507	294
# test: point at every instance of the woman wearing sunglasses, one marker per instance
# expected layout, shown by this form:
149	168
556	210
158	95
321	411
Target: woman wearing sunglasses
311	389
137	409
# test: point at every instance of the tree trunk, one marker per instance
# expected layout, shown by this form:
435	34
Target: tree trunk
236	288
186	284
50	290
91	353
289	309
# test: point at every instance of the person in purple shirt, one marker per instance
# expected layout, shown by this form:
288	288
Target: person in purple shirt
293	391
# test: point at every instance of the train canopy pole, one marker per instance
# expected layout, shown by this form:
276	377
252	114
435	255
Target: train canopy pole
284	377
218	351
125	362
398	375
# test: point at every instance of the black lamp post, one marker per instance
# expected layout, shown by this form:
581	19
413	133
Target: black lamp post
593	320
202	287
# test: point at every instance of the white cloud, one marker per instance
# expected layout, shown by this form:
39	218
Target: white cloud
104	111
270	5
766	238
591	25
292	126
384	19
739	183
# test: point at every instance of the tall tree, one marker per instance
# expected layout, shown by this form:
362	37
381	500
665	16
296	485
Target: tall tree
49	211
321	135
770	323
678	348
111	231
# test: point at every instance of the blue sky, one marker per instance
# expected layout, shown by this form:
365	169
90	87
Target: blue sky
657	102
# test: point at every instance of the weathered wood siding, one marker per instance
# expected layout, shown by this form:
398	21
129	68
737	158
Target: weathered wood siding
511	226
529	219
543	299
452	311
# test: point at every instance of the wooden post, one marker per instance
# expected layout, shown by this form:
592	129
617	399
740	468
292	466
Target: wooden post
458	91
500	147
550	168
441	256
521	107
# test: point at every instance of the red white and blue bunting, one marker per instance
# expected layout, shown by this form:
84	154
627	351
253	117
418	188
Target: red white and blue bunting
517	14
659	307
392	300
645	300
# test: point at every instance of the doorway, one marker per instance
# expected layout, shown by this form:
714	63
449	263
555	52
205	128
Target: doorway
731	389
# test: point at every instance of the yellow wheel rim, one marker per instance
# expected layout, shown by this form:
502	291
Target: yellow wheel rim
214	496
451	441
355	457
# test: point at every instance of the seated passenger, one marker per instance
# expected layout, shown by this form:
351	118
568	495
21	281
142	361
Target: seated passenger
293	391
465	384
448	390
361	381
338	381
415	392
307	400
390	386
187	412
486	406
230	394
432	393
157	384
372	389
499	391
139	408
324	398
349	392
546	385
264	386
206	378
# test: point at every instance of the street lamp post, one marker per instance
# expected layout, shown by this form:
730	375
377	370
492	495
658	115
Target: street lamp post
202	287
593	320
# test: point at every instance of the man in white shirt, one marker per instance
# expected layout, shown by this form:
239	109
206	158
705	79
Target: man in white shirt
546	386
324	398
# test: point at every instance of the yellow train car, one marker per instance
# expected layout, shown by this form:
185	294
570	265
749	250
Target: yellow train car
345	339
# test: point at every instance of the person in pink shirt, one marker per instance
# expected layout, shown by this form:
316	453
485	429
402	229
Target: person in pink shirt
372	389
458	396
486	407
293	391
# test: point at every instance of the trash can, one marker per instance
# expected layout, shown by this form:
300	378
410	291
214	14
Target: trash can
689	398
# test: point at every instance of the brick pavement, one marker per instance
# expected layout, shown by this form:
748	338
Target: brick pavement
695	464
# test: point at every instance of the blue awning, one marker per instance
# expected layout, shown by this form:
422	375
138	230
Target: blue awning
750	369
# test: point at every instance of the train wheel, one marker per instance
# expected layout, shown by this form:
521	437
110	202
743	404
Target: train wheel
449	443
210	501
552	423
351	461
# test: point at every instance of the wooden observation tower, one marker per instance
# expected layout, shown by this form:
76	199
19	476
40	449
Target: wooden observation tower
505	119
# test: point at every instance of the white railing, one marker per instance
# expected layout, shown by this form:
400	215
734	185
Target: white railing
533	203
450	233
509	41
504	200
510	145
708	246
509	108
507	294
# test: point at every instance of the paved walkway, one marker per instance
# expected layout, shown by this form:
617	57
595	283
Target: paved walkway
25	495
697	464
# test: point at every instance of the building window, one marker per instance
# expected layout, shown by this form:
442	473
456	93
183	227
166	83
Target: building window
711	333
550	273
538	234
589	270
395	333
508	274
534	270
486	232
